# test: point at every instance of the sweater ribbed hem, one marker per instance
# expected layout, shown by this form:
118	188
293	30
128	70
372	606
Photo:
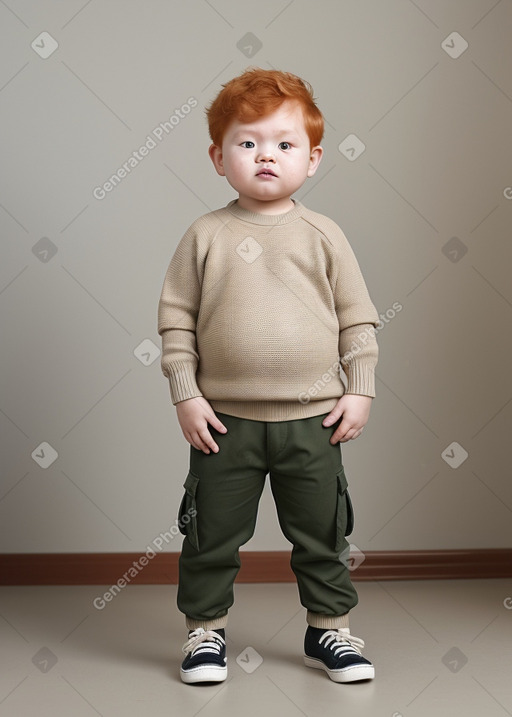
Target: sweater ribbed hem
328	622
206	624
274	410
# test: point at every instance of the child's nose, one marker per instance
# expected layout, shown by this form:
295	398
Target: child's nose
266	157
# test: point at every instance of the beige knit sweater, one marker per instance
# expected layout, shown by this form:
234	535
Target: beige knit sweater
256	312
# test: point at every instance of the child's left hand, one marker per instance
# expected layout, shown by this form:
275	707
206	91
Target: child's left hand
355	410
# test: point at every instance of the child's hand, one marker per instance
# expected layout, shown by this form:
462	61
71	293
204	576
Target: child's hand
194	415
355	410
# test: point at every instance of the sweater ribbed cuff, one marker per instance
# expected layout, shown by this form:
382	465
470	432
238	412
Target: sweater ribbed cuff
182	381
361	379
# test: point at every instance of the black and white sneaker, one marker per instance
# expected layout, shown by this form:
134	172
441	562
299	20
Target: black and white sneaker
338	653
205	659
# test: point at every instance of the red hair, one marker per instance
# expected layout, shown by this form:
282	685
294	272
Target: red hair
257	93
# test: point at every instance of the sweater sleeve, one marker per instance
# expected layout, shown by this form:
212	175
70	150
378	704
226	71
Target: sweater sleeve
177	317
357	318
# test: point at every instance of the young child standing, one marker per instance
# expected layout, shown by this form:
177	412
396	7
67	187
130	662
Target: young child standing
262	305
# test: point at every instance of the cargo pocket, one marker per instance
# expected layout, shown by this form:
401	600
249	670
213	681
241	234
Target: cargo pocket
344	512
187	513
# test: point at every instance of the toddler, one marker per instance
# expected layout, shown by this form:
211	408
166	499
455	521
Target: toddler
261	308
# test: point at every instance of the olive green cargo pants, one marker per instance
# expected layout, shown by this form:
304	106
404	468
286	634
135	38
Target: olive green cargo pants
219	508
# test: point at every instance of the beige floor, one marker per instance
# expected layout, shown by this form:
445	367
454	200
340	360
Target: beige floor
440	648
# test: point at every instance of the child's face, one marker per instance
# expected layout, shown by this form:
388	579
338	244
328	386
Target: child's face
277	143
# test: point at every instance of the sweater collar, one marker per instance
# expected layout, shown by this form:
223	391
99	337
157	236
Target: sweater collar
265	219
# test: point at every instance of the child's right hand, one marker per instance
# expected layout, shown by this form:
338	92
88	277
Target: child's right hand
194	415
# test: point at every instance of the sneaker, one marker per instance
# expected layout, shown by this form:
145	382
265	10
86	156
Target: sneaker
338	653
205	659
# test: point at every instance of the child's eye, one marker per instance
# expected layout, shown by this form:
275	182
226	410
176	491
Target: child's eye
248	144
284	145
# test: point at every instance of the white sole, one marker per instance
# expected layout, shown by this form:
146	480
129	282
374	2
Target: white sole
348	674
204	673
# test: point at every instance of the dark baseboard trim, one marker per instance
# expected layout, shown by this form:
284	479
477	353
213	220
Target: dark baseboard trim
256	567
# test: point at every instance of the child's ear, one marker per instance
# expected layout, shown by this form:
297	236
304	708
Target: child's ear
314	159
215	154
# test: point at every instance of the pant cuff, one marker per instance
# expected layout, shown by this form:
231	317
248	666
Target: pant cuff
206	624
329	622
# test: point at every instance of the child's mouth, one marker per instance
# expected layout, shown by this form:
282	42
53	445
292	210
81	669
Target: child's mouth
266	173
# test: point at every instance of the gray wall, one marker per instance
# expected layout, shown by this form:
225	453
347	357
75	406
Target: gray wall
427	208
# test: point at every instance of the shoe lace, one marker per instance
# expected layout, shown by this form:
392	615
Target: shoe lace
208	640
337	640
